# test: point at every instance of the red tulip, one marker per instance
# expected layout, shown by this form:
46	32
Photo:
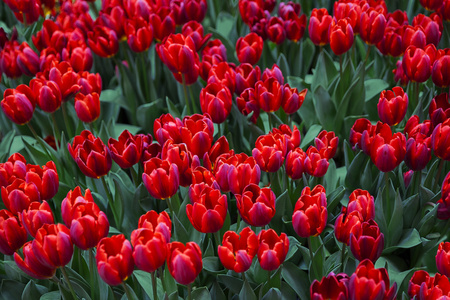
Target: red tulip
246	77
114	259
400	75
341	36
178	53
216	100
194	30
442	258
157	223
413	127
167	127
270	151
150	249
416	64
275	30
127	150
18	195
319	23
431	4
292	100
439	140
66	79
87	107
330	287
413	36
184	261
207	212
418	152
372	26
160	178
80	58
272	249
370	283
247	104
12	169
12	233
256	205
251	11
346	224
237	250
31	265
392	106
249	48
69	203
89	225
163	23
8	60
327	144
387	151
36	216
316	164
295	27
432	26
53	246
18	104
197	133
275	72
419	277
368	243
103	41
90	83
350	10
139	34
293	137
91	154
224	74
295	163
392	42
362	202
440	73
48	94
27	60
310	212
45	179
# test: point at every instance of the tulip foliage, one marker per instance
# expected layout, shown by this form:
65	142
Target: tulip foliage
250	149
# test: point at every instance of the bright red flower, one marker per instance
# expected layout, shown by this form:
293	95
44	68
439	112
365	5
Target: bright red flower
249	48
387	150
163	23
442	258
246	77
127	150
12	233
150	249
440	73
327	143
362	202
90	83
103	41
72	199
36	216
48	94
432	26
80	58
178	53
91	154
14	168
341	36
87	107
319	23
310	212
18	104
372	26
413	36
216	100
45	178
179	154
392	42
184	261
160	178
167	127
350	10
53	246
367	243
293	137
330	287
194	30
114	259
295	163
18	195
270	151
275	30
139	34
431	4
392	106
416	64
272	249
369	283
247	104
224	74
27	60
157	223
31	265
316	164
237	250
256	205
347	223
197	133
292	100
208	211
275	72
418	152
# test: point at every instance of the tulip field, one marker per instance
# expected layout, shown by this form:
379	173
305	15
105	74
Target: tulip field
209	149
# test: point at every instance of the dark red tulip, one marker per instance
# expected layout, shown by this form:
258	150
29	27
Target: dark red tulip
8	60
194	30
157	223
270	151
127	150
251	11
256	205
160	178
368	243
53	246
275	72
295	163
357	130
362	202
416	64
249	48
45	178
431	4
30	265
293	137
27	60
346	224
72	199
36	216
167	127
163	23
442	258
184	261
341	36
269	94
392	42
197	133
237	250
330	287
310	212
18	195
178	53
275	30
80	58
272	249
292	99
350	10
319	23
392	106
439	140
179	154
387	151
114	259
371	27
48	94
418	152
12	233
247	104
400	75
327	144
207	212
419	278
413	36
224	74
370	283
103	41
91	154
66	79
439	109
432	26
316	164
90	83
89	225
14	168
216	100
18	104
440	73
246	77
414	127
139	34
150	249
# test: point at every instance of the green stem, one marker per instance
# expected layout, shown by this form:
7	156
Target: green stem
190	291
416	96
144	75
134	175
186	98
162	279
217	238
66	121
386	193
56	130
238	221
343	257
193	102
155	294
269	116
39	140
127	291
367	54
92	273
66	277
111	202
340	66
441	165
170	206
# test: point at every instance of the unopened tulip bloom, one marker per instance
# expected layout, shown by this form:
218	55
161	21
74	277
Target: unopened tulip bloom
442	258
392	106
310	212
216	100
341	36
319	23
12	233
160	178
30	265
237	250
184	261
256	205
150	249
330	287
249	48
126	151
53	246
36	216
368	242
272	249
18	104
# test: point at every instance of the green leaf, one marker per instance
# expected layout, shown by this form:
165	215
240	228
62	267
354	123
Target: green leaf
409	239
354	170
324	71
374	87
172	109
247	292
171	285
273	293
33	291
5	145
212	265
201	294
324	108
217	292
145	280
55	295
335	197
11	289
181	233
312	133
231	282
147	113
297	279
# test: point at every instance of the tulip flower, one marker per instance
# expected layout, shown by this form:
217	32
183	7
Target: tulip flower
236	172
31	266
388	150
18	195
249	48
237	250
275	72
272	249
327	144
163	23
256	205
248	104
270	151
12	233
319	23
91	154
114	259
18	104
439	109
127	150
295	27
372	25
341	36
216	100
160	178
103	41
275	30
392	106
330	287
442	258
295	163
416	64
440	72
150	249
184	261
362	202
292	99
179	154
194	30
207	212
139	34
347	223
90	83
368	242
36	216
246	77
370	283
431	4
87	107
269	94
432	26
223	74
12	169
167	127
439	140
418	152
53	246
316	164
157	223
310	212
197	133
65	78
419	277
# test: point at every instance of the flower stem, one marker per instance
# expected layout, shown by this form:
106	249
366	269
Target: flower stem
66	277
66	121
161	274
36	137
186	98
111	202
56	130
343	257
127	291
441	165
92	273
190	291
155	294
170	206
